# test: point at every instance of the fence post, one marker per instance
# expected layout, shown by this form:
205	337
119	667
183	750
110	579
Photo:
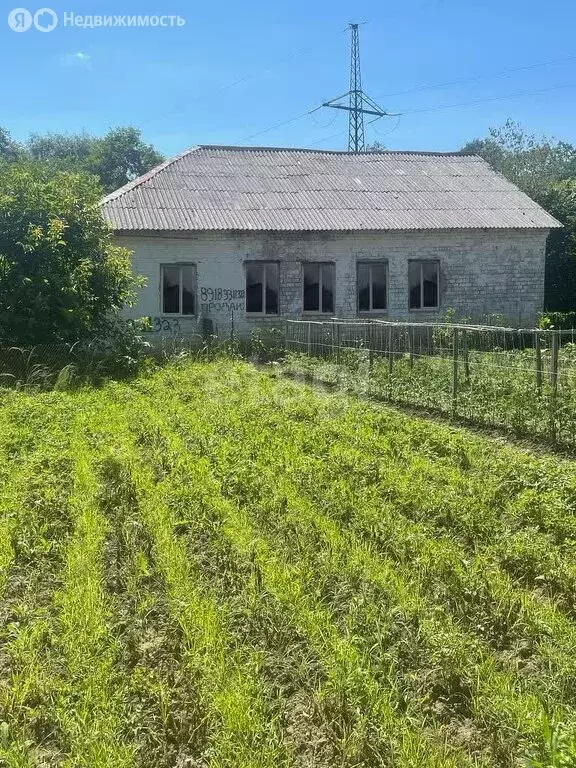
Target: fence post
309	345
466	358
390	354
538	352
554	383
455	371
411	346
371	345
337	341
333	338
554	362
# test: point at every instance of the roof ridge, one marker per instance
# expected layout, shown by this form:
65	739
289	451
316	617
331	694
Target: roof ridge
311	150
146	176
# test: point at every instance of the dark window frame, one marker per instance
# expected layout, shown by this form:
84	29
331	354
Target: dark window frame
261	263
422	263
180	265
370	264
320	310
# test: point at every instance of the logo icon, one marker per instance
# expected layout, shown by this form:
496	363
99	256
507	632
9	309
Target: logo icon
45	20
19	20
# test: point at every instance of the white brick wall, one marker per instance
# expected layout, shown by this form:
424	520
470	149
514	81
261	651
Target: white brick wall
481	272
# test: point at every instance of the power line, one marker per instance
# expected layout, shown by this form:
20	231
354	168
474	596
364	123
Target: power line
328	138
329	124
256	75
279	125
238	81
476	78
342	133
517	94
378	112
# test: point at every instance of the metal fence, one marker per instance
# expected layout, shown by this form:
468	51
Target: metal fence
521	379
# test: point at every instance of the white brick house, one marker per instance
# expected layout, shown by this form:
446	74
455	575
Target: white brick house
259	235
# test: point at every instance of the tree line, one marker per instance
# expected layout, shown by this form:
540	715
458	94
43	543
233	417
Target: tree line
115	158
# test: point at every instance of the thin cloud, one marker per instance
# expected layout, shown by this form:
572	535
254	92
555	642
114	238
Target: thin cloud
78	59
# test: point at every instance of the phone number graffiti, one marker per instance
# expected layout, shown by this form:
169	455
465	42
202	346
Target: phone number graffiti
208	295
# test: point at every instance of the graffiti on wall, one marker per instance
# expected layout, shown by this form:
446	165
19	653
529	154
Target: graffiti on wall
165	325
211	300
222	299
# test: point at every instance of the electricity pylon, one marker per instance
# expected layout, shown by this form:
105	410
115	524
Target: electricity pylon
359	104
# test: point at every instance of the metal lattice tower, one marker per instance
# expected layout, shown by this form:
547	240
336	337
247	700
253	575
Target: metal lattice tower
359	104
356	122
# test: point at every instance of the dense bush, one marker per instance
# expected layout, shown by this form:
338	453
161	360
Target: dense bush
560	320
61	277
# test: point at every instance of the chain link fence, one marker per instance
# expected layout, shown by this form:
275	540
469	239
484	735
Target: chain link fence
520	379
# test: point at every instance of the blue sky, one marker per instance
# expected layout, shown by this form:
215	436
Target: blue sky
179	85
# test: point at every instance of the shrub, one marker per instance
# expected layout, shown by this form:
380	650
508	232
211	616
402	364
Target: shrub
61	277
560	320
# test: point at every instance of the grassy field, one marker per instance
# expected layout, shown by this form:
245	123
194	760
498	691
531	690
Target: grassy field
215	566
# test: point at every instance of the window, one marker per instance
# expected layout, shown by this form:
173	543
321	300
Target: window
262	287
423	284
178	289
371	286
318	287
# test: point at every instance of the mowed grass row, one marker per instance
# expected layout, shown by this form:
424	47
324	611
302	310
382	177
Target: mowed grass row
213	566
551	688
36	521
74	686
356	714
89	697
241	722
61	699
495	691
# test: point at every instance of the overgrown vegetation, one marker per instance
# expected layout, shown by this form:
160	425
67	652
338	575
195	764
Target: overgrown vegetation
61	276
213	565
496	388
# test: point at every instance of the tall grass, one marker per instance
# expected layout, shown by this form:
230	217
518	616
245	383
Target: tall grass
89	703
227	675
211	565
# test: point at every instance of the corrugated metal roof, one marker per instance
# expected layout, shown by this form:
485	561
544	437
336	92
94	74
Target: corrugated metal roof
239	188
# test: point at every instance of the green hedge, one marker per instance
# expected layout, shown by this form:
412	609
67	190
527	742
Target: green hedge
561	320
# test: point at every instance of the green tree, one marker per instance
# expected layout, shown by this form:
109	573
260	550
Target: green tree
121	156
9	149
116	158
531	162
61	276
376	146
546	170
560	200
62	151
